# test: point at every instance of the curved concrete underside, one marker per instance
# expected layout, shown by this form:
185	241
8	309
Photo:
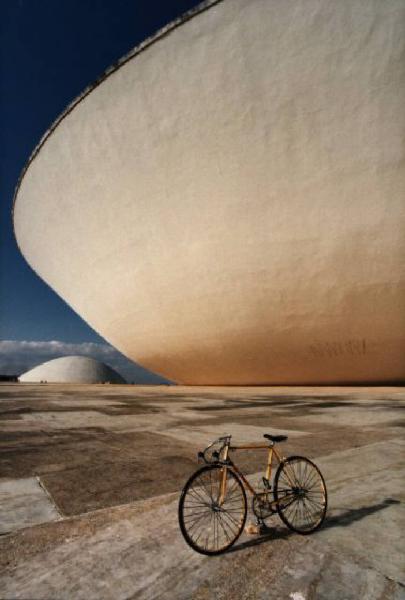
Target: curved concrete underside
72	369
227	206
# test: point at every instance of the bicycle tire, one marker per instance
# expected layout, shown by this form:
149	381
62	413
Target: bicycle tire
300	494
201	517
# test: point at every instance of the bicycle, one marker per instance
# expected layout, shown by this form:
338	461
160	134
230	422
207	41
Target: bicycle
213	505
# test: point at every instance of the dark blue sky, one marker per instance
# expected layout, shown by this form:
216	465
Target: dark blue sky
50	51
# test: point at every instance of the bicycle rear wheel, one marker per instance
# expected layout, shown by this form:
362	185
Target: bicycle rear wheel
300	494
212	509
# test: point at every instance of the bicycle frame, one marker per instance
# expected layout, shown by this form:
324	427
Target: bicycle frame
225	459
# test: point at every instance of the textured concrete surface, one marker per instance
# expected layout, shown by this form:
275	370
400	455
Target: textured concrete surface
227	205
24	502
127	544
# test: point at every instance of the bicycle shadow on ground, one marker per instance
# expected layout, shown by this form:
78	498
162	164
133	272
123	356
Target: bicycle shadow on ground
344	519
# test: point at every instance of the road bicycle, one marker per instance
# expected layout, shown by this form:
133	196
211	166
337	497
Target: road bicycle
213	506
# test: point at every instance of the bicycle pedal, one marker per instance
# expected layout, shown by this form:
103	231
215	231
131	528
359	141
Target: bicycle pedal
266	483
252	529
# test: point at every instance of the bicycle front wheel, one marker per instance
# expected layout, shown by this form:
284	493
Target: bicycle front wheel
300	494
212	509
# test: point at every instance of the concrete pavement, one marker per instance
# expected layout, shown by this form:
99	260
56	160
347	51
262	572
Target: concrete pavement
135	550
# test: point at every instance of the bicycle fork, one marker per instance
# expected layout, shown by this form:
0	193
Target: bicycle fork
224	474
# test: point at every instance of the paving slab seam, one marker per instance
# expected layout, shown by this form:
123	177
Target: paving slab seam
50	497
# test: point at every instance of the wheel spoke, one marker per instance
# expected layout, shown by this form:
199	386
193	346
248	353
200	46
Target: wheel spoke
223	528
294	511
196	513
197	494
207	489
311	480
194	528
315	502
306	514
230	517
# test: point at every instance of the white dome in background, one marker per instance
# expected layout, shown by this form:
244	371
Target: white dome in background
72	369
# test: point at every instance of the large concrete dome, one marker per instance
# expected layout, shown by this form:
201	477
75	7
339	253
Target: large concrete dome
227	205
72	369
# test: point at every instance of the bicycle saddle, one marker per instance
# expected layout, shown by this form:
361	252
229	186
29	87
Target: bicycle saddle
276	438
